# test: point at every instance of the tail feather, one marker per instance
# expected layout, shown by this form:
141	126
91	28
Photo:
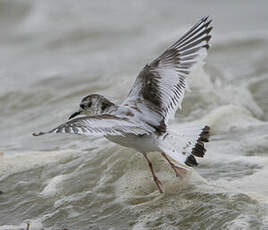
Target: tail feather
199	149
191	161
187	145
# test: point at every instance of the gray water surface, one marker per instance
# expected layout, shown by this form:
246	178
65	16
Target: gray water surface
52	53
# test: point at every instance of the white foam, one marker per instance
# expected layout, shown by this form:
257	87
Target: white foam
14	163
137	185
228	117
33	225
66	200
239	95
200	79
254	185
52	187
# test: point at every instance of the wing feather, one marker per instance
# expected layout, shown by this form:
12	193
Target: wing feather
161	85
100	125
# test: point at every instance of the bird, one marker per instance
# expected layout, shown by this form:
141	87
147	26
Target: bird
141	121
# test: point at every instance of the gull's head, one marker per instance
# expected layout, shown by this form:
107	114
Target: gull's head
93	104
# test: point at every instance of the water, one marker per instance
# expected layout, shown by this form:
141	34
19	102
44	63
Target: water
55	52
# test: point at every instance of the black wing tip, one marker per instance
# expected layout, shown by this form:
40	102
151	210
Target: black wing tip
206	21
200	32
207	18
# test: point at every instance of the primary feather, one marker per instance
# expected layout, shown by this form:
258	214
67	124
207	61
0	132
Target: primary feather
99	125
161	85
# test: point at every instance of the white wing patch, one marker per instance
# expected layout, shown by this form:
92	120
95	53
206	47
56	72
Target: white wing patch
172	94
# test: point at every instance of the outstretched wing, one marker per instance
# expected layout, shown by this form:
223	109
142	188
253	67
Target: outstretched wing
100	125
161	85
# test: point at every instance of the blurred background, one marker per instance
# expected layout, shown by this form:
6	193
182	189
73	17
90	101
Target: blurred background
52	53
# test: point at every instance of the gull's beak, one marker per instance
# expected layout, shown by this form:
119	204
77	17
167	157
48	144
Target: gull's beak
75	114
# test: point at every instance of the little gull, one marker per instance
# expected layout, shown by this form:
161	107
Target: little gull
141	121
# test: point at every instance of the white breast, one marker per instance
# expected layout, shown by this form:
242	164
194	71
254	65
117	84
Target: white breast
145	143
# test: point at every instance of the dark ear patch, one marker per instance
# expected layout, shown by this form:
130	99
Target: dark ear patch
104	106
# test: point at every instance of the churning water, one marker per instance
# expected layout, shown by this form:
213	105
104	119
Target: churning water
54	52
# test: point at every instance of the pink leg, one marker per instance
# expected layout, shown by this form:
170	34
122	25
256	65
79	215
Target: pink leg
156	180
180	172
